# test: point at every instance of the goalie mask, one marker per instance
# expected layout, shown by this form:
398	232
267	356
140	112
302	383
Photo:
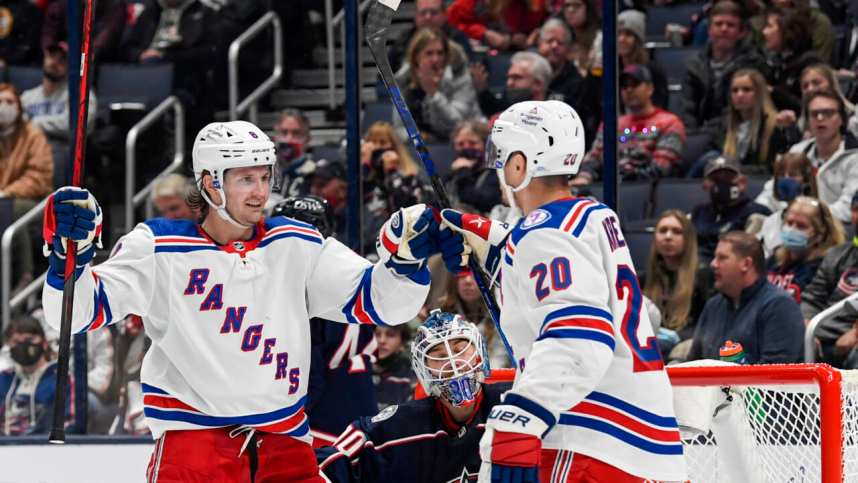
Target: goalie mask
549	134
450	359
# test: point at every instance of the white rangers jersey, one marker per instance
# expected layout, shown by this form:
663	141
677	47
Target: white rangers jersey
230	324
585	351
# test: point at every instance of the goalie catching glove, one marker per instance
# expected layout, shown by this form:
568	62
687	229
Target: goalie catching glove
71	213
484	237
511	447
407	239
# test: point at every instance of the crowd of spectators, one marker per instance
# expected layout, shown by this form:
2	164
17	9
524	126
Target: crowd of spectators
771	86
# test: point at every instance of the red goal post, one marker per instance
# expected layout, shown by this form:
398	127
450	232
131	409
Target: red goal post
796	419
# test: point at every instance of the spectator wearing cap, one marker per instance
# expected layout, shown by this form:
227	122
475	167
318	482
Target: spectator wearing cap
832	151
728	209
47	105
170	194
631	34
704	91
527	79
650	138
748	309
20	28
835	279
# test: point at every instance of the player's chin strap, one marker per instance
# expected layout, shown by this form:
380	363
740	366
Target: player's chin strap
250	430
509	190
221	209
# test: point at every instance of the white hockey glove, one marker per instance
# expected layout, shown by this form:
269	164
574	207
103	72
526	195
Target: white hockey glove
407	239
74	213
482	236
511	447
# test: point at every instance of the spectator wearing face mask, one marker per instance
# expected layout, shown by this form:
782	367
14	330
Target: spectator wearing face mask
47	105
808	232
26	172
469	182
329	183
793	177
27	390
728	208
832	151
294	161
527	79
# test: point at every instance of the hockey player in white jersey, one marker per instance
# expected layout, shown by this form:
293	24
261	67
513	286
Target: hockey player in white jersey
227	304
591	400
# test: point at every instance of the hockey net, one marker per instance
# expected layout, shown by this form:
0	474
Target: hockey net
774	423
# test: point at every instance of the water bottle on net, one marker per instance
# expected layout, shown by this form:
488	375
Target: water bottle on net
735	353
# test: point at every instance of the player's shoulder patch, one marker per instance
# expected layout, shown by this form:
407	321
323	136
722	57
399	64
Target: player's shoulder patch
385	414
536	218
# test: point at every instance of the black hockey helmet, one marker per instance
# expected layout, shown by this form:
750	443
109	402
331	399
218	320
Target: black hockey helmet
309	209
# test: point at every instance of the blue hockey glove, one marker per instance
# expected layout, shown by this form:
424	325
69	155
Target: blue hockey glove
72	213
407	239
482	236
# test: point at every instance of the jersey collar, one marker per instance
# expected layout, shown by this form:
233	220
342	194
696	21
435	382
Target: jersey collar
240	247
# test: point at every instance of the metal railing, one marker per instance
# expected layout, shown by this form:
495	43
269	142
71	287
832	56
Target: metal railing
34	214
236	108
832	311
133	199
332	22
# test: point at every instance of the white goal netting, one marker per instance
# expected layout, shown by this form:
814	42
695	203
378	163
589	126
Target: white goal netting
766	432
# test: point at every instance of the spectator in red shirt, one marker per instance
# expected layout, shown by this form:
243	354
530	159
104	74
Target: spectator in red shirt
650	138
500	24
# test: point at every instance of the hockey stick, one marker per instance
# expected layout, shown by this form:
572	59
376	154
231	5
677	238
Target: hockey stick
58	431
377	22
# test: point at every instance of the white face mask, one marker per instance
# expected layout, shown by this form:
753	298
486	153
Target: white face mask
8	114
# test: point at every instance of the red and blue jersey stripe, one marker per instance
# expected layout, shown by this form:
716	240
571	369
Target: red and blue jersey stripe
579	322
101	314
159	404
360	309
576	220
626	422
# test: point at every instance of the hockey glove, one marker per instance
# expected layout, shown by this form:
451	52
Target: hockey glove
512	444
484	236
73	213
407	239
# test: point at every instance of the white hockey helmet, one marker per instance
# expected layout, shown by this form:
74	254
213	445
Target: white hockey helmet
549	134
459	377
224	145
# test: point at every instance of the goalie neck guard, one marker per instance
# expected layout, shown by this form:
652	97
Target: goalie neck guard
456	372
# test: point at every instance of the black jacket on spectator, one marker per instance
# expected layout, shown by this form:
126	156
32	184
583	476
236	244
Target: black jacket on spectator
394	380
786	78
107	28
704	96
710	223
836	279
19	38
582	93
477	187
767	322
781	140
792	277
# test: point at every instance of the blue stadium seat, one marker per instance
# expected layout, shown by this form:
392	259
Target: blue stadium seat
497	65
442	155
24	78
674	100
755	185
130	83
61	164
634	199
374	112
678	193
658	17
331	153
639	242
696	143
673	59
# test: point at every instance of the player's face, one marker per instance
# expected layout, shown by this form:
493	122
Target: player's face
439	363
389	341
173	207
669	239
247	191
